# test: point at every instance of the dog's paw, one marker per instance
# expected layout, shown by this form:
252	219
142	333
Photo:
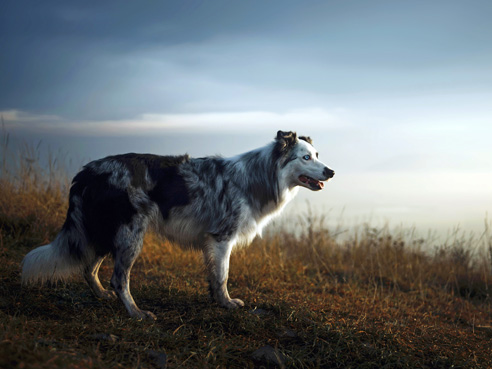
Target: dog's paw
233	304
143	315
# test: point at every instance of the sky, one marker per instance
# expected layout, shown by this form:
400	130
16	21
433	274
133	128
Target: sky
397	95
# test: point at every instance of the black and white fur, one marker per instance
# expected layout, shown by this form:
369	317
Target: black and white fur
210	203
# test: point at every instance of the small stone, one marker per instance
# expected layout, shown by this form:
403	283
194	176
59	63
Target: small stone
287	333
260	312
159	358
269	355
105	337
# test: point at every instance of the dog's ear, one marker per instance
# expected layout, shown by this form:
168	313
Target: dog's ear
306	138
286	139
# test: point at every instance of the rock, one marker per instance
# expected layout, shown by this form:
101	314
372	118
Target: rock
105	337
159	358
287	333
269	355
260	312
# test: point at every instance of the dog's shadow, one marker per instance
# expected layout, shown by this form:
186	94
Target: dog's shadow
74	301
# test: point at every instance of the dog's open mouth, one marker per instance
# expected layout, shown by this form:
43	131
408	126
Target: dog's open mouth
311	182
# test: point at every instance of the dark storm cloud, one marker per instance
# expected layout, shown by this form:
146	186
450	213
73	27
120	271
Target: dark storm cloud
75	58
99	60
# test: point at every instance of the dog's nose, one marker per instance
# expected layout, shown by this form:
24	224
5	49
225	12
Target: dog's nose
329	173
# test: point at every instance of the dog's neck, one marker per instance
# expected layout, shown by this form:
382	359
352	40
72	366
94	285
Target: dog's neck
258	171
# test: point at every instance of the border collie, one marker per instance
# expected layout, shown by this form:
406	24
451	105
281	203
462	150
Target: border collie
210	203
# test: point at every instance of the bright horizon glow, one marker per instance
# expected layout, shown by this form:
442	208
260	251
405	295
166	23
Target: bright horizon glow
163	123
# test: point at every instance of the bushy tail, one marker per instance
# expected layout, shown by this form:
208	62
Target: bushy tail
51	262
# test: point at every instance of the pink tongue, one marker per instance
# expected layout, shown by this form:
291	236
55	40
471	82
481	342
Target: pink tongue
311	181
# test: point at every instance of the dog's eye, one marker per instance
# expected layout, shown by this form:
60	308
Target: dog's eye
306	157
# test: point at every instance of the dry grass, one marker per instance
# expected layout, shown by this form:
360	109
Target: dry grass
374	298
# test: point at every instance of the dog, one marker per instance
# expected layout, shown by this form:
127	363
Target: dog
211	204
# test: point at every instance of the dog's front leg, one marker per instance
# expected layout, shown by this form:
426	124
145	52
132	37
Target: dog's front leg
217	254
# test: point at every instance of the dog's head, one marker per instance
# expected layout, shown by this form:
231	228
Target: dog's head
299	164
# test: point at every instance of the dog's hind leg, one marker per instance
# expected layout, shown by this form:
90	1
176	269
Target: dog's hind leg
90	275
217	254
128	244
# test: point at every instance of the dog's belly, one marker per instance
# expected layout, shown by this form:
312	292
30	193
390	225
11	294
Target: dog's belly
184	231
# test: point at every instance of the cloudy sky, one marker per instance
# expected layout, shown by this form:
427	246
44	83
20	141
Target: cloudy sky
396	95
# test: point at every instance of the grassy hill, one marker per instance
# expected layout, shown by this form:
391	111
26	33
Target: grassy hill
376	298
